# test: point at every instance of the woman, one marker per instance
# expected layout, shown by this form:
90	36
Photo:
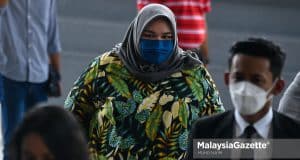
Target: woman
191	22
48	133
139	100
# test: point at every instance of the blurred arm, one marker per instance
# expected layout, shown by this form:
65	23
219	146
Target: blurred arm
204	47
211	97
289	103
3	4
55	61
54	45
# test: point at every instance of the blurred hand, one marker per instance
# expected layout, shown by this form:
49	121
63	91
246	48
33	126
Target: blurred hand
55	90
54	83
58	89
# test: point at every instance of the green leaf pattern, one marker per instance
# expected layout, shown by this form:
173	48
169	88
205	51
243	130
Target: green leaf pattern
125	118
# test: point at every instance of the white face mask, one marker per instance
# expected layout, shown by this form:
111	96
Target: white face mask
248	98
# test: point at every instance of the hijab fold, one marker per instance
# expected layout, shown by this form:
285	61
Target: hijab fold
129	51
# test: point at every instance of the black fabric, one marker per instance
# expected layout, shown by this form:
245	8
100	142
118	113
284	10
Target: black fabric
248	132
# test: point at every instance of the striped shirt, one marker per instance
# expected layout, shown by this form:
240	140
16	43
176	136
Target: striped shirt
190	17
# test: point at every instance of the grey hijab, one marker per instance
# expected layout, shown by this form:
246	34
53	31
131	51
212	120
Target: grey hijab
129	51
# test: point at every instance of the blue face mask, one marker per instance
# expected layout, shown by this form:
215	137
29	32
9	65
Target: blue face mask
156	51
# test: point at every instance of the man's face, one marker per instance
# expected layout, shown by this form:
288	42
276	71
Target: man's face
255	70
252	69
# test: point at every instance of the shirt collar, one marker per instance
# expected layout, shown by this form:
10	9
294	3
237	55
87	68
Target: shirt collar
262	126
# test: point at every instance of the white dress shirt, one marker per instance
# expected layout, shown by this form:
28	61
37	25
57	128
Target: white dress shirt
263	128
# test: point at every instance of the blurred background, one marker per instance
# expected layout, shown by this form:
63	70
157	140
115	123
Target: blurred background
89	28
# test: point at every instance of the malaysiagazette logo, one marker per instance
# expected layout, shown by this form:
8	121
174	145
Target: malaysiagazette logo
232	145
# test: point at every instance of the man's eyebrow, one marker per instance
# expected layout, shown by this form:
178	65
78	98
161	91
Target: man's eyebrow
149	31
167	33
259	76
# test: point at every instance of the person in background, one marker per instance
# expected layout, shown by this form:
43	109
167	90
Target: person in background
1	92
2	59
254	77
290	102
139	100
191	23
1	98
48	133
29	41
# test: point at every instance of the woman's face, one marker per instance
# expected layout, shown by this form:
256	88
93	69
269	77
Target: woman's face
34	148
158	30
156	43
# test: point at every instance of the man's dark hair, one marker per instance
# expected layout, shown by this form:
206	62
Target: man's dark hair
261	48
58	129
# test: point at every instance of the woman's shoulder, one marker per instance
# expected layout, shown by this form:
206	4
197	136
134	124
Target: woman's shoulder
106	58
196	69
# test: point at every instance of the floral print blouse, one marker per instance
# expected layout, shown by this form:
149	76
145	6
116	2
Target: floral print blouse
125	118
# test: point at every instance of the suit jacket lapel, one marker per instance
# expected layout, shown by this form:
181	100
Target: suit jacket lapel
226	127
277	131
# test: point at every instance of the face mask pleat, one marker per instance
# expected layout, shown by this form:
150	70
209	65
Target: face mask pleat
156	51
248	98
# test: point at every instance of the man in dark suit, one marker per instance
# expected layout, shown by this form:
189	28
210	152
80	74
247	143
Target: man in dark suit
254	77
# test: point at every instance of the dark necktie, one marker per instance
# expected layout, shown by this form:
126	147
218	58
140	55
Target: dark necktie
248	133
